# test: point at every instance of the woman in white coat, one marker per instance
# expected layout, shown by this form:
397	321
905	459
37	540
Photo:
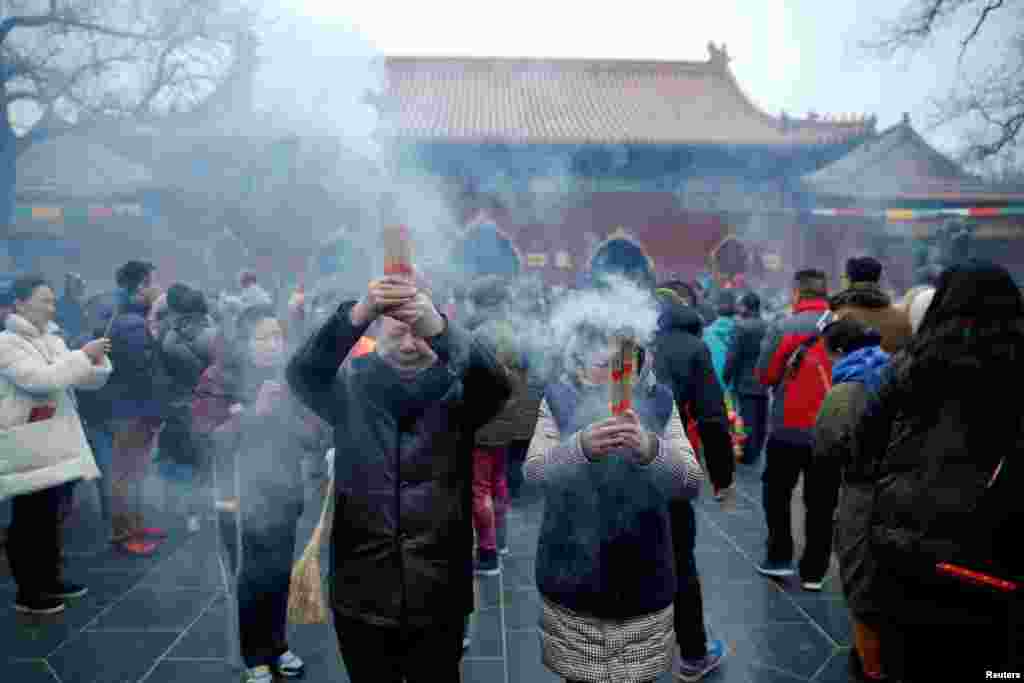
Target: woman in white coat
42	445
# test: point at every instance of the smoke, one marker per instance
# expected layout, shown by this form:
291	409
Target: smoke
621	307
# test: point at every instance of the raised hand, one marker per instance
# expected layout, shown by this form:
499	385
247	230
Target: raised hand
382	296
421	315
97	349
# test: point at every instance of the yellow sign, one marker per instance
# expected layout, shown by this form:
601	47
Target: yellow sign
536	260
46	213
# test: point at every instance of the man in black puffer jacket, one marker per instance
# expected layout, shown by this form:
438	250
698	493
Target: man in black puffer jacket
404	419
682	360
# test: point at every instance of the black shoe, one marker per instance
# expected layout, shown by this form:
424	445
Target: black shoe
39	605
501	532
66	590
487	563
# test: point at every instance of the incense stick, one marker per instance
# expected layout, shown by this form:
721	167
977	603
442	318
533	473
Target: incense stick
623	370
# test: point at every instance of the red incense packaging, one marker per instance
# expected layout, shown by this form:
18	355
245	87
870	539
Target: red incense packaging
623	372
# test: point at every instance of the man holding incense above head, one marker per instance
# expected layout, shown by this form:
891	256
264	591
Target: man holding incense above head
404	417
610	453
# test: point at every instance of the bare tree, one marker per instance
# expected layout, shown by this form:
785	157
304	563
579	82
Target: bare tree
66	65
991	98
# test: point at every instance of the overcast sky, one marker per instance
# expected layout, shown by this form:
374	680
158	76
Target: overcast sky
793	55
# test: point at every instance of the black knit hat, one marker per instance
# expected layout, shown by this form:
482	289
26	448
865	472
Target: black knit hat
864	269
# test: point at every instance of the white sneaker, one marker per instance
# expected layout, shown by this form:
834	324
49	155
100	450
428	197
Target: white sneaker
258	674
290	666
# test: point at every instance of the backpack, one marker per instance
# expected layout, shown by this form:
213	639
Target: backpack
162	379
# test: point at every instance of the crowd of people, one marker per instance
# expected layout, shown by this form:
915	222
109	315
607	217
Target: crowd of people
438	417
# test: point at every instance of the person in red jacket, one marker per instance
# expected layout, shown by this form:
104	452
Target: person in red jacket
793	362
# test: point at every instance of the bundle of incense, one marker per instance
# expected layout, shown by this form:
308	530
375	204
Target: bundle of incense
623	371
395	236
397	250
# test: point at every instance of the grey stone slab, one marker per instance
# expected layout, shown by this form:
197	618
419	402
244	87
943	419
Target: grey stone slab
518	571
204	671
524	663
36	671
751	603
488	639
207	637
192	567
109	657
24	636
522	608
488	591
798	649
725	567
150	608
830	612
836	669
481	671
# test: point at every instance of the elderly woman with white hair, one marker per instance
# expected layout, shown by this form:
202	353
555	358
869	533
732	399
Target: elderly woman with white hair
605	565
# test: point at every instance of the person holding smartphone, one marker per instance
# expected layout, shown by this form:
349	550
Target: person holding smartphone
37	375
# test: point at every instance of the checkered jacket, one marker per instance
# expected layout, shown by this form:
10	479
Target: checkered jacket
582	648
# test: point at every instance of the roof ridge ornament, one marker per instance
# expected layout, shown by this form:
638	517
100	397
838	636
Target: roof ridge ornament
718	57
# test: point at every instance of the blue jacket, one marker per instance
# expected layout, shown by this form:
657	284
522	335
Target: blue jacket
129	394
864	366
605	546
719	337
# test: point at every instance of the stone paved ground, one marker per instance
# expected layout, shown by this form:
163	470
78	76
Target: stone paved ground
162	619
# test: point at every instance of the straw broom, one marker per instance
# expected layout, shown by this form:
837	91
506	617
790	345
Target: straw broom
306	602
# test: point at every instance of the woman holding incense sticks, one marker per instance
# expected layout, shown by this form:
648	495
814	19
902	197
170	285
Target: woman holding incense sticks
605	566
258	435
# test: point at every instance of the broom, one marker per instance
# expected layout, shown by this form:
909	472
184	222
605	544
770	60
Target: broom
306	603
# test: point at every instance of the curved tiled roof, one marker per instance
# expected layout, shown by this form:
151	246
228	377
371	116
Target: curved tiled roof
900	164
76	167
583	101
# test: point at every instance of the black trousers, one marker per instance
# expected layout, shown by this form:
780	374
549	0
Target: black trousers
785	462
754	411
268	552
689	603
34	539
964	651
381	654
516	457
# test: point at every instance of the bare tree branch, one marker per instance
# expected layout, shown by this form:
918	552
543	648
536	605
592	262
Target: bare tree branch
989	8
8	25
992	100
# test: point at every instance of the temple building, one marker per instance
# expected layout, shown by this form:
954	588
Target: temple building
895	196
660	168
